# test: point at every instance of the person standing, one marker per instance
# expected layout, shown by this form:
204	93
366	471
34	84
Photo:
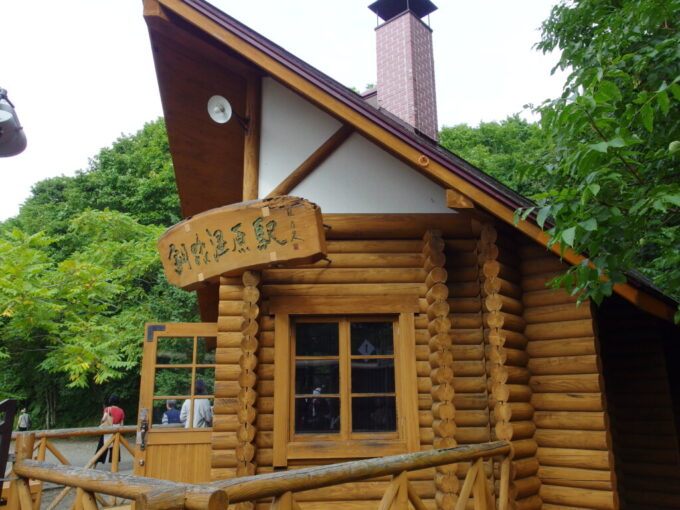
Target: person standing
171	415
113	415
24	422
203	412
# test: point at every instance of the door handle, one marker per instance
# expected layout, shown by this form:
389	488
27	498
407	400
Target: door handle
143	428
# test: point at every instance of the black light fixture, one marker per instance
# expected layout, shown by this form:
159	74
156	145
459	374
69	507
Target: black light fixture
12	136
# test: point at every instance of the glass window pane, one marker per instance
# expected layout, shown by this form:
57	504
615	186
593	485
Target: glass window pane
172	382
202	415
205	350
316	376
373	375
372	338
316	339
207	375
174	350
317	415
166	413
374	414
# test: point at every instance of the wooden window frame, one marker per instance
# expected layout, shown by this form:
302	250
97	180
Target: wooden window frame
288	447
150	367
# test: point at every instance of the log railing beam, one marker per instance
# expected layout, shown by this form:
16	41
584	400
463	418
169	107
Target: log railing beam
154	494
272	484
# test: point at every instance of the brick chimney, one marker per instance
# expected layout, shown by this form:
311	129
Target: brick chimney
406	64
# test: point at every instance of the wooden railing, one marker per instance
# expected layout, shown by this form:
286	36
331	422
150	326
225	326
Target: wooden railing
153	494
41	443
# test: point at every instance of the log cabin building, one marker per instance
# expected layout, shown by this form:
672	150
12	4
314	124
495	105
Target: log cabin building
399	310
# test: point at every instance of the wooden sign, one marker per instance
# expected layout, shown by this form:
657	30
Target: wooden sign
248	235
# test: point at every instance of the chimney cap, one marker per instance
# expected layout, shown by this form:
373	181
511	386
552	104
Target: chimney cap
388	9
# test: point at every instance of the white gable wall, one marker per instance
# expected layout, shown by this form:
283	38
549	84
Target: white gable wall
359	177
292	129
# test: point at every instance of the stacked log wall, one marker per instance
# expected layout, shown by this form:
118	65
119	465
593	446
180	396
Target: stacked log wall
441	366
640	398
576	466
467	334
227	372
507	304
358	268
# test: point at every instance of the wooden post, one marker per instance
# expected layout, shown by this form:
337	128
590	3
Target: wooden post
441	365
468	484
116	453
401	500
251	151
503	501
247	397
390	495
42	450
87	500
283	502
24	451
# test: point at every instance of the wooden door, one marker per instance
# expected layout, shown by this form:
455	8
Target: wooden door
176	397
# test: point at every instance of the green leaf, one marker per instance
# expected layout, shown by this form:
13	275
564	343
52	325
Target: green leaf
589	225
647	117
664	102
599	147
617	142
675	90
674	146
673	199
594	188
542	216
610	90
569	235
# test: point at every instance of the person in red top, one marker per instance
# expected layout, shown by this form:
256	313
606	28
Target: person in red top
116	412
113	415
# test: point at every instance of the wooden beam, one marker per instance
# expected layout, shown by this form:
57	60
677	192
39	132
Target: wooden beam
251	150
342	304
396	226
456	200
312	162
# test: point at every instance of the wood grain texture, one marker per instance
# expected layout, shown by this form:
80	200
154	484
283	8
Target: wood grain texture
441	363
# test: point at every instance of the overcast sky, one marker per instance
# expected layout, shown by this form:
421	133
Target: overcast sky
80	72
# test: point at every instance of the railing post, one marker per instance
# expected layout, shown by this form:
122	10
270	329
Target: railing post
283	502
115	453
24	451
504	488
115	462
42	450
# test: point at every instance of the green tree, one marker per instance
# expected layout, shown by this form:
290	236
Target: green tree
79	277
614	140
134	176
501	149
80	319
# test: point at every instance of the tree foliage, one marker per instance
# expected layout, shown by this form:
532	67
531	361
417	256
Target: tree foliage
79	277
613	142
501	149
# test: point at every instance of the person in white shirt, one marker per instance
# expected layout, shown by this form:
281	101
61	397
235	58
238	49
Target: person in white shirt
203	413
24	420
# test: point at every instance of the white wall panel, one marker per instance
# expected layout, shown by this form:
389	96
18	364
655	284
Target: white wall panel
362	178
292	129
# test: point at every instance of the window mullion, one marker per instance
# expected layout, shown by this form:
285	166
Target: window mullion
345	383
